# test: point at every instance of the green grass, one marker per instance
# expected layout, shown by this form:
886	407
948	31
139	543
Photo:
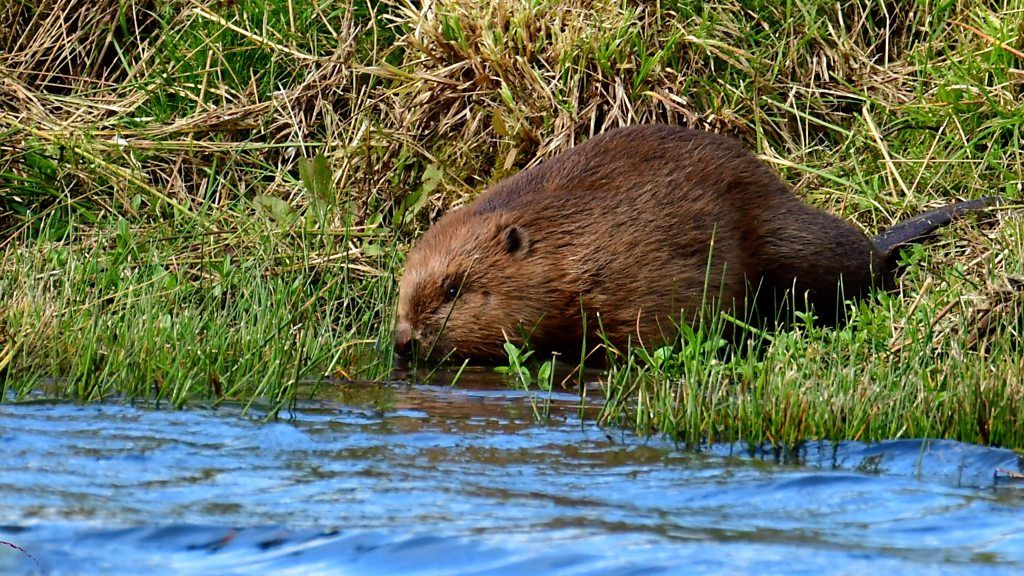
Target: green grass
163	239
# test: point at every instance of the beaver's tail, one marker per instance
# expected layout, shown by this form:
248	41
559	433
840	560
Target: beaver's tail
921	227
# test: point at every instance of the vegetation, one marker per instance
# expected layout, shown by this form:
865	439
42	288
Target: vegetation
165	237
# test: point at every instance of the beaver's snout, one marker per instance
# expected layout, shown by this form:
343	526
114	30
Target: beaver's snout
403	338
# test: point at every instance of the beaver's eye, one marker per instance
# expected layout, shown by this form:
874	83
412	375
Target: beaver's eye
453	285
452	288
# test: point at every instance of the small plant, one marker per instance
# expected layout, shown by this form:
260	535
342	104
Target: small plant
519	370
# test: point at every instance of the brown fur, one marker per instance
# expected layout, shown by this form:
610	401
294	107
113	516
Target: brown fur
636	230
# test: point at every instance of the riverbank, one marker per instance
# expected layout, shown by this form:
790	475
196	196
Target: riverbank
164	238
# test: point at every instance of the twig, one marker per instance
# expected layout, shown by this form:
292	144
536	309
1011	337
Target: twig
990	39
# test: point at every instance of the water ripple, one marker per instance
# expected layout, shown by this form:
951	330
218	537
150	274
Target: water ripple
452	481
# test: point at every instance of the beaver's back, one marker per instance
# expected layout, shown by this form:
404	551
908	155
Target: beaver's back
645	222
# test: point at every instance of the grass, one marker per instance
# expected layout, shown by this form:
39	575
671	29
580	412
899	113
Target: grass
168	232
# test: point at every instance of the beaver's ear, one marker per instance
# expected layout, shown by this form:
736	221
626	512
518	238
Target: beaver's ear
515	240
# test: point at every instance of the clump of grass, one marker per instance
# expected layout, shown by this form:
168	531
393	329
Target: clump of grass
933	375
133	316
167	232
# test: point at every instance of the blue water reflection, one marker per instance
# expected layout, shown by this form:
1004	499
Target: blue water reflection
458	481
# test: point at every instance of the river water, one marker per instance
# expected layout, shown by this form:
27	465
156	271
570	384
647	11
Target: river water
416	479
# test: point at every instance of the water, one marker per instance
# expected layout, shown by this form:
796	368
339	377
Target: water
438	480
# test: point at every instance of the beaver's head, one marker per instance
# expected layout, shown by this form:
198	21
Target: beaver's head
472	282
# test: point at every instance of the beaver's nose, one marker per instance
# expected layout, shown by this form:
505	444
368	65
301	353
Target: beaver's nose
403	338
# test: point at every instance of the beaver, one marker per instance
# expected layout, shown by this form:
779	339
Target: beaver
627	236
